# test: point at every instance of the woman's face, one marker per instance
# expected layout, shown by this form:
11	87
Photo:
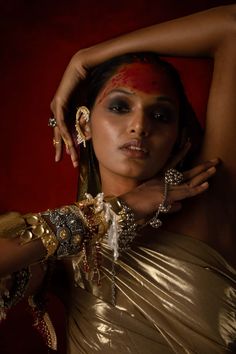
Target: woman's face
134	122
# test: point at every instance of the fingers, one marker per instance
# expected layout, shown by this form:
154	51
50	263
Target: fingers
202	177
195	181
74	156
62	135
200	168
185	191
72	76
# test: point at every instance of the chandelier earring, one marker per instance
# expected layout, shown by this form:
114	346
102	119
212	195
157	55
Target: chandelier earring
81	111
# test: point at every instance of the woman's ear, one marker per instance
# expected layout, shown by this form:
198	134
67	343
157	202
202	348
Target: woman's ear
85	128
82	125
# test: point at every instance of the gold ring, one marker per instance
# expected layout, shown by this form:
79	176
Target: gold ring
55	142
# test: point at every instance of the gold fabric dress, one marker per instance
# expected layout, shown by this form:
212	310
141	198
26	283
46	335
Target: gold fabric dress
174	294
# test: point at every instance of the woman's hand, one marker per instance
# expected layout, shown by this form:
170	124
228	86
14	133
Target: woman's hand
75	72
145	199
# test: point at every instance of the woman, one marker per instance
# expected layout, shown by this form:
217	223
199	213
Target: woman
154	297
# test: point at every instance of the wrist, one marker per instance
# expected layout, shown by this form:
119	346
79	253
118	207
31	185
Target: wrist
131	201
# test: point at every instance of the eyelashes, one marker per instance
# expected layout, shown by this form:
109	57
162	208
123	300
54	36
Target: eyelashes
159	113
119	106
164	117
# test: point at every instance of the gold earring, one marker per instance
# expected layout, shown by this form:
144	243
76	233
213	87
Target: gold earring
81	111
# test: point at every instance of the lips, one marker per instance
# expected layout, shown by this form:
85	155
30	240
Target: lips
135	148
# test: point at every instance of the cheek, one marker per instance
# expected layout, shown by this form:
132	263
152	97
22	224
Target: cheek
104	136
164	143
168	135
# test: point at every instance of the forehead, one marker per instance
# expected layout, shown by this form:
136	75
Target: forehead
142	76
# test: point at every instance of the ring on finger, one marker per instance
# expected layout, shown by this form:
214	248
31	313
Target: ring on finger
173	177
55	142
52	122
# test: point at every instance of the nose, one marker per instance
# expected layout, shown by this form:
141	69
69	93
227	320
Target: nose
139	124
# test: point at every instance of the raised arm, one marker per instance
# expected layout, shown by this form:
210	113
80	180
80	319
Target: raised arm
209	33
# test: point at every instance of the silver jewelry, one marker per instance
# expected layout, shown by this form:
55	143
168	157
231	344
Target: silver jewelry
52	122
172	178
69	232
126	233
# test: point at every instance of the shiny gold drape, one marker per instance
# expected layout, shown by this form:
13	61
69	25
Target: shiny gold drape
175	294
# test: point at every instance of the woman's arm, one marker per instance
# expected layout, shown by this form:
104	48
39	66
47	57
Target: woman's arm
14	255
34	237
206	33
199	34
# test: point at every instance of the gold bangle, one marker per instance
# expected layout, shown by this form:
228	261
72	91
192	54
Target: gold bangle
50	242
37	228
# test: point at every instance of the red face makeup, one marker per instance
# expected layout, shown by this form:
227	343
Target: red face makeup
141	76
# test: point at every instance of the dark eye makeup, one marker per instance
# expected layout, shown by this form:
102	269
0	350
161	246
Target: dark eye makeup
160	112
163	114
119	106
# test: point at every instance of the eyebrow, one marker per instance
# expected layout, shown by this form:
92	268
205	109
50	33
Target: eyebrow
117	90
166	99
162	98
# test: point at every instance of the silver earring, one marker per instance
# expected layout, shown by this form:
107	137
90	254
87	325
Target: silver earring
81	111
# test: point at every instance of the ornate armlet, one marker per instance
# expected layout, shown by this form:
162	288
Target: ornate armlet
69	229
37	228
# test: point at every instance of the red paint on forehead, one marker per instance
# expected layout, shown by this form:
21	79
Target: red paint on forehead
141	76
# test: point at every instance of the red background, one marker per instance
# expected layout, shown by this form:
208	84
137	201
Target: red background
37	40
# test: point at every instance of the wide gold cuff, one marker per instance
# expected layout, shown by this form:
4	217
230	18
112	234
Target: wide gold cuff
37	228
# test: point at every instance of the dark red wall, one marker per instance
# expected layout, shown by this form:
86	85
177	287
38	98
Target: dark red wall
37	40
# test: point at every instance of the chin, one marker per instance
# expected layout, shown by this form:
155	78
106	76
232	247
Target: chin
139	176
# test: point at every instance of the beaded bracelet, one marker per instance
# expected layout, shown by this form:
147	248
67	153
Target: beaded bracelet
9	298
68	228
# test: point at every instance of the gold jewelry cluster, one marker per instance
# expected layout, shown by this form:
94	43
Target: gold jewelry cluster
37	228
84	112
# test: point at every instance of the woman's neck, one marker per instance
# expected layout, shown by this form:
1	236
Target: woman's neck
117	185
